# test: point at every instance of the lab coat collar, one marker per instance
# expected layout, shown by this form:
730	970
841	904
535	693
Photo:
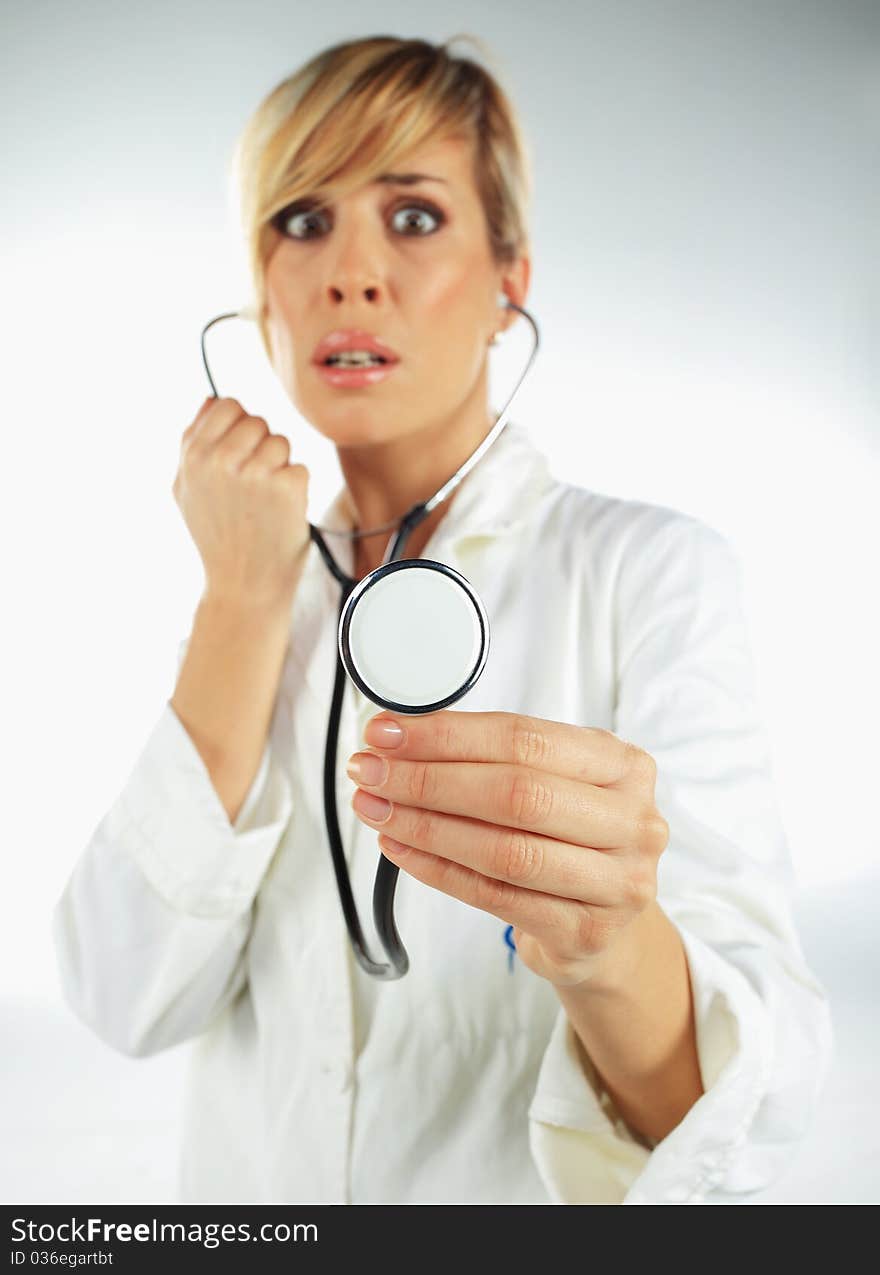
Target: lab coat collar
494	497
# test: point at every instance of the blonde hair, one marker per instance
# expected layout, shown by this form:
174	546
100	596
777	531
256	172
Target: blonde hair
360	106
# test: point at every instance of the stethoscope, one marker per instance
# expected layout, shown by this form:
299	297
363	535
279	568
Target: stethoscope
413	636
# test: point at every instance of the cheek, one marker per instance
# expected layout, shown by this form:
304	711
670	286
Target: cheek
454	314
450	290
282	326
282	350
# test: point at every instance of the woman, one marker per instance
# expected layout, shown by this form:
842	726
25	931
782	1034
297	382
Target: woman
607	1000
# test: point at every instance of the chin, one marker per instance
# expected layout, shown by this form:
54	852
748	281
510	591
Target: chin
356	425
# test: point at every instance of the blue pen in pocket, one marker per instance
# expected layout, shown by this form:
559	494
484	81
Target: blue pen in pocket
508	939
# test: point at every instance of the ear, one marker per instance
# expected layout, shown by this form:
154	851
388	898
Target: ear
514	285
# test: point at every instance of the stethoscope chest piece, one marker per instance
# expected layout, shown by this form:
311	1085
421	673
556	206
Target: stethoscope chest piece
413	635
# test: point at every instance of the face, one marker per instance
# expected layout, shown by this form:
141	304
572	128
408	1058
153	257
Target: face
408	263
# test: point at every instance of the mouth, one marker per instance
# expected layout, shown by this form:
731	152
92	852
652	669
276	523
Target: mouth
353	347
365	359
353	376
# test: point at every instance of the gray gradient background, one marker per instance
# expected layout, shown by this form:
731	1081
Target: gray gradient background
705	274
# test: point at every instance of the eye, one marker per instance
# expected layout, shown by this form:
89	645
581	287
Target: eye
296	215
421	210
294	220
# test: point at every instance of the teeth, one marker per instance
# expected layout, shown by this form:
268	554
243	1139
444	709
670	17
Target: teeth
354	358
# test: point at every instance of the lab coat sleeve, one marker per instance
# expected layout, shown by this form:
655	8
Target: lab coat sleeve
151	929
687	694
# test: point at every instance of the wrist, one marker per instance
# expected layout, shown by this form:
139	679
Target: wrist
235	606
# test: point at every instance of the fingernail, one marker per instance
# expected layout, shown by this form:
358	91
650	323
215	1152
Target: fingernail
383	732
366	768
377	809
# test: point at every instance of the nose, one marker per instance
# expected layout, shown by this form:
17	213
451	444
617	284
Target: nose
355	269
353	291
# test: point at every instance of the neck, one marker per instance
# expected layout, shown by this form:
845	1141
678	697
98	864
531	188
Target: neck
384	480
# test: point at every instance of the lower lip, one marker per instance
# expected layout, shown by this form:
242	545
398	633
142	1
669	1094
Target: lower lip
352	377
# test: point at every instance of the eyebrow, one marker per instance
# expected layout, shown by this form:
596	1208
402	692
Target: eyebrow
409	179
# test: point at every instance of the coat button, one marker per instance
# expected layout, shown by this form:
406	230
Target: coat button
339	1073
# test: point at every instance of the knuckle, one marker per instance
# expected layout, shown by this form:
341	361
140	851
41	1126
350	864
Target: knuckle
603	739
589	931
297	476
641	887
235	446
245	427
494	895
653	832
530	744
252	427
630	753
632	892
420	782
518	857
661	833
265	456
530	800
641	763
421	830
446	736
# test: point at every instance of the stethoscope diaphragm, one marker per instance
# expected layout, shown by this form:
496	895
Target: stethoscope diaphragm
413	635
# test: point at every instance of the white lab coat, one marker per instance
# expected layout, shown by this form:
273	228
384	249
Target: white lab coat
310	1082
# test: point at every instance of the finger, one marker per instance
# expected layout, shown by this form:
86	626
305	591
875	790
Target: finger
214	420
237	446
522	859
198	418
575	752
270	454
560	924
516	796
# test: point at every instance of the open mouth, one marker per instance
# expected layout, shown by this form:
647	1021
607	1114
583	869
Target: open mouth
355	360
340	372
